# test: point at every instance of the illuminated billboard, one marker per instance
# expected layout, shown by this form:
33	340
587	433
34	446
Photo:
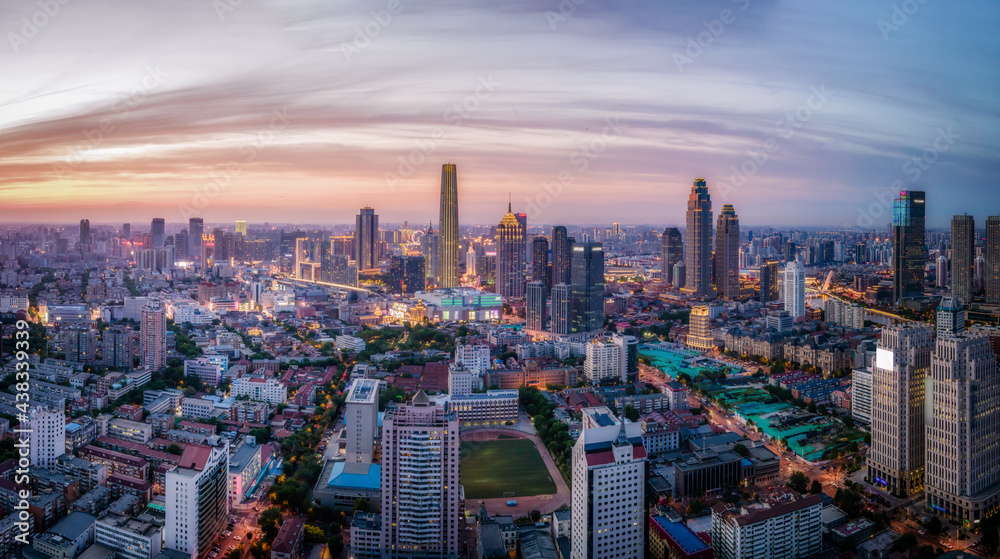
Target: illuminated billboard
884	359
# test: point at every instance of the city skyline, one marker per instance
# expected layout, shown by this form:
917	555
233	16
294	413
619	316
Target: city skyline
306	107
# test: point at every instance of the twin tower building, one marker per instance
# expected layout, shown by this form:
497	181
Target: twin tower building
693	266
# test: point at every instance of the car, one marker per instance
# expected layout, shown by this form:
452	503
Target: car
232	547
237	538
922	532
213	554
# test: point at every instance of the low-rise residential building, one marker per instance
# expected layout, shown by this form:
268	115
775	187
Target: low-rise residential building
780	524
132	537
197	407
288	543
259	389
494	407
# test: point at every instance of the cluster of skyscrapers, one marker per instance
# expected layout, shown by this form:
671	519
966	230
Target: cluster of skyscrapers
935	413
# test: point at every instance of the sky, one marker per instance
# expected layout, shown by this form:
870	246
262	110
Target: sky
581	111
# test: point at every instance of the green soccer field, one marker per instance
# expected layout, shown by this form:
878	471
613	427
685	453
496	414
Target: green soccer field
492	469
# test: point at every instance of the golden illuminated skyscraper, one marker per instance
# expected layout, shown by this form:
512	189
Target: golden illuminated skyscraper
241	227
510	256
698	256
448	229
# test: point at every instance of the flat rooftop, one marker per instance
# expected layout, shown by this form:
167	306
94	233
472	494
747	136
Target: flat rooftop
363	391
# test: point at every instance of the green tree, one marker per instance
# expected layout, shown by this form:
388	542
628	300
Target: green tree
816	488
741	449
314	534
934	525
261	434
631	414
798	481
906	541
175	449
361	505
695	507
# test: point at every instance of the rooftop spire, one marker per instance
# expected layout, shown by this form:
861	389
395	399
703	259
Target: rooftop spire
508	203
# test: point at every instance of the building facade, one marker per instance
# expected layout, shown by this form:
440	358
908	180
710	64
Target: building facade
608	493
671	252
698	250
197	503
510	256
587	287
448	227
962	470
727	254
902	362
153	336
420	480
909	245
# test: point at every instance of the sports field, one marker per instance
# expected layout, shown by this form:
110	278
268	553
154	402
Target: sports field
504	468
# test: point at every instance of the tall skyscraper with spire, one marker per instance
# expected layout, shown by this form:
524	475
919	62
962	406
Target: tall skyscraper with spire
671	252
510	256
698	257
727	253
561	250
429	248
366	241
448	227
909	245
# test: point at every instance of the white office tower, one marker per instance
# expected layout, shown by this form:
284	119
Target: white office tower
861	395
962	478
781	524
47	437
950	317
462	381
475	358
197	499
608	504
420	485
603	361
795	289
361	420
902	362
941	272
